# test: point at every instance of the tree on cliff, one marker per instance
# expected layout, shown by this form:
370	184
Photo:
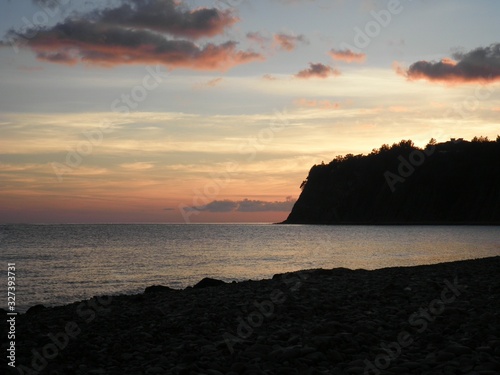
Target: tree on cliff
451	182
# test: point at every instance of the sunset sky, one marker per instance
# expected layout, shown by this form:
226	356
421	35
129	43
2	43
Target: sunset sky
214	111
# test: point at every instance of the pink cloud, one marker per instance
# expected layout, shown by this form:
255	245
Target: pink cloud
317	70
347	55
320	104
288	42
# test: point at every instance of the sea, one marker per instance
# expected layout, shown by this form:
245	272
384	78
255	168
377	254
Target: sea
61	264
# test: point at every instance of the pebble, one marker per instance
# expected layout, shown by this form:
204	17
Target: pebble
334	322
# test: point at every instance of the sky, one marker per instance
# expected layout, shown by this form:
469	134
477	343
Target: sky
166	111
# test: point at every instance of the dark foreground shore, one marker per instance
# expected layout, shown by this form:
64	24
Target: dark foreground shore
427	320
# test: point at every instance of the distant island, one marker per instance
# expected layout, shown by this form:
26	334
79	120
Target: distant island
455	182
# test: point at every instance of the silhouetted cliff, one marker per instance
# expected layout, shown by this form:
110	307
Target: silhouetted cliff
453	182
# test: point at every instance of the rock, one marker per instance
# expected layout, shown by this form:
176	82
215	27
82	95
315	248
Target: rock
127	356
399	369
444	356
207	282
316	357
458	349
155	370
355	370
237	367
157	289
35	309
252	369
484	349
99	371
214	332
412	365
214	372
488	366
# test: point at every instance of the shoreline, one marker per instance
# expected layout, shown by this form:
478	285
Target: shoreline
226	280
395	223
424	319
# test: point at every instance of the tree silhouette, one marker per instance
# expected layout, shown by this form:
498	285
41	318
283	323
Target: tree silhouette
450	182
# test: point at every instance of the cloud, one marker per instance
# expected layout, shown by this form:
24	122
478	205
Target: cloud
481	65
269	77
137	166
246	205
138	32
398	109
166	16
258	38
317	71
260	206
83	41
288	42
211	83
347	55
283	41
218	206
46	3
313	103
399	69
214	82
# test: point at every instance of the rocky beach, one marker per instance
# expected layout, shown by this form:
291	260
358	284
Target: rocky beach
427	320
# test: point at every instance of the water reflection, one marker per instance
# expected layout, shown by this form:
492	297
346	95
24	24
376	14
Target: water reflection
63	263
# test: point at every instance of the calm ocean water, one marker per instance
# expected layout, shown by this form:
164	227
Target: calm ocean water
58	264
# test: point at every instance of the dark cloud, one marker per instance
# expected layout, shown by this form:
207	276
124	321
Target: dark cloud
258	38
261	206
137	32
317	71
347	55
246	205
166	16
480	65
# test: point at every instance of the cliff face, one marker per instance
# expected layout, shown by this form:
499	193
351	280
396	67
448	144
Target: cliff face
453	182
